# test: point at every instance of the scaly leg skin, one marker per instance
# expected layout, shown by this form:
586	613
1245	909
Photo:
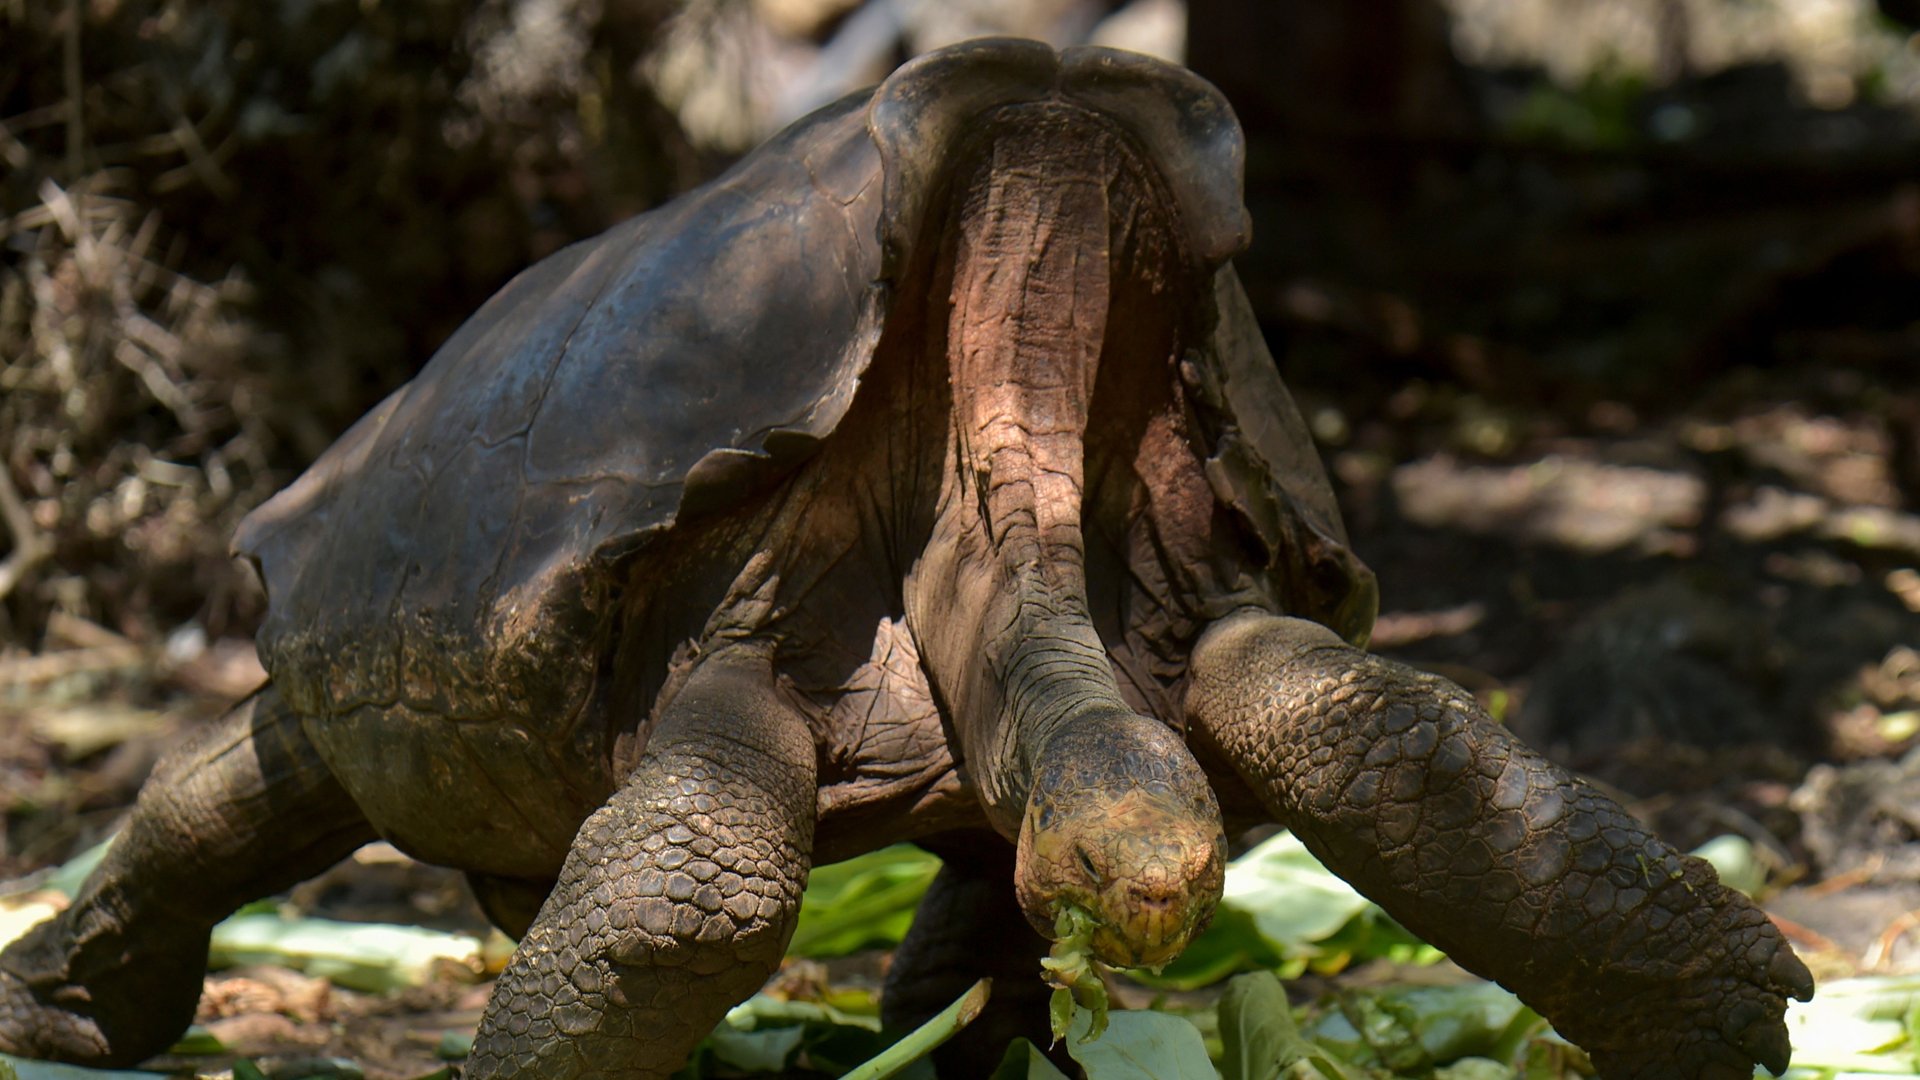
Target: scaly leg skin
969	926
1402	785
678	897
243	810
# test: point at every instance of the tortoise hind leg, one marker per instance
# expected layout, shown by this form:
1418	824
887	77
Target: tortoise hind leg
244	809
678	897
1403	786
969	926
509	903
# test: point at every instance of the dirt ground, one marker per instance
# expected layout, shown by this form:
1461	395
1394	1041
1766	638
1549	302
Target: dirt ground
1715	612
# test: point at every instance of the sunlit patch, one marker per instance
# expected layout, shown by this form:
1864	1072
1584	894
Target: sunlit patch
1565	501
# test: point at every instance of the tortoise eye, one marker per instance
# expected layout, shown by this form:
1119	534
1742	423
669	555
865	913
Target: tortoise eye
1086	863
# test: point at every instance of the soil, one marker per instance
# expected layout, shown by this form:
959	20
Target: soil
1714	612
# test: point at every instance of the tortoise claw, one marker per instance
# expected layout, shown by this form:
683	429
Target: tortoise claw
1763	1036
1787	972
1765	1041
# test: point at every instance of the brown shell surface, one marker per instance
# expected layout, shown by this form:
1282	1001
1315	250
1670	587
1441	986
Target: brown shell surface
455	552
451	551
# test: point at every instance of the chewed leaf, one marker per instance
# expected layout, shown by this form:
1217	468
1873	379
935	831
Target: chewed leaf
1070	969
1060	1011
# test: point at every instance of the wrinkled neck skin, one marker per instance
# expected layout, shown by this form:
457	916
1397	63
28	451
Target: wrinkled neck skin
1050	205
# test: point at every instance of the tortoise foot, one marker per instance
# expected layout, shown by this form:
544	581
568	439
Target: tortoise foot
35	1023
1716	1026
58	1004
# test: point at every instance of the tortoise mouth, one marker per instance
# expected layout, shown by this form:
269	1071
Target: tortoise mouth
1132	838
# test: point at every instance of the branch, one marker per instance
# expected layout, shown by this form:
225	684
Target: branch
30	547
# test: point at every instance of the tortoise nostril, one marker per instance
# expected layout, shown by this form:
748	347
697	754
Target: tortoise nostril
1154	899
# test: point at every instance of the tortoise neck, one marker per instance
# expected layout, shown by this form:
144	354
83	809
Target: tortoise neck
999	599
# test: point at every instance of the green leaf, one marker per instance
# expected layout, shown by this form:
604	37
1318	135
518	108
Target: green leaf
26	1069
761	1010
69	877
1857	1025
1371	935
1736	861
360	956
1391	1030
763	1034
244	1069
1261	1040
316	1068
923	1039
759	1050
1257	1029
1411	1028
1140	1046
1474	1068
197	1040
1510	1044
863	902
21	912
1024	1061
1549	1060
1283	911
1293	900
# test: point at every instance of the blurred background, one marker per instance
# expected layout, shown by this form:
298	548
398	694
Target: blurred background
1605	313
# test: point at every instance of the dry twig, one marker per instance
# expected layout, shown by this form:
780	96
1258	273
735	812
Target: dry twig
29	546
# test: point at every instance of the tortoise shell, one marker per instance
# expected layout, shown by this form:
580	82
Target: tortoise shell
455	551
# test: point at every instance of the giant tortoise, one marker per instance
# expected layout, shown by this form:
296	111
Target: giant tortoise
924	477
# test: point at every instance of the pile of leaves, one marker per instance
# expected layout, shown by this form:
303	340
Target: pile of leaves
1252	1000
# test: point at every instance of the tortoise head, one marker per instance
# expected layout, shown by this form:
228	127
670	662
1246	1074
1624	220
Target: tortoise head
1121	824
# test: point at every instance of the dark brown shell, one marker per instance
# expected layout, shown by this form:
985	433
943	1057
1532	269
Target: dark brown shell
455	549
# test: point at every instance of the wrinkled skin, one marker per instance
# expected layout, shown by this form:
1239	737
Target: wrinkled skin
925	478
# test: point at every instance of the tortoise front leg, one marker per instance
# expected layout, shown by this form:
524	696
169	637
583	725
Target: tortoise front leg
245	809
1401	784
678	897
